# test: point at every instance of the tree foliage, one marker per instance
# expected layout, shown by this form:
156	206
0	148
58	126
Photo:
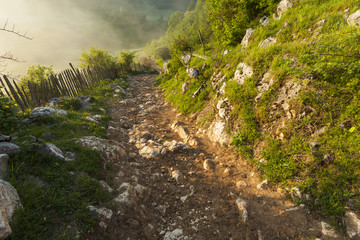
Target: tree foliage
230	18
37	74
97	58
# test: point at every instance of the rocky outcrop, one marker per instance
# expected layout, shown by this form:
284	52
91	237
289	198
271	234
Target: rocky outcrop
283	6
9	201
131	195
264	21
267	42
107	148
245	40
328	231
192	72
352	225
46	111
186	59
216	79
184	87
224	107
217	133
242	72
264	85
166	67
55	151
286	93
9	148
354	19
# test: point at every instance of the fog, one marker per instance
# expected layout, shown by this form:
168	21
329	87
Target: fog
61	30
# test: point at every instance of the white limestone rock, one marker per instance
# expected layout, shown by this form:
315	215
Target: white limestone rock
354	19
245	40
242	72
9	201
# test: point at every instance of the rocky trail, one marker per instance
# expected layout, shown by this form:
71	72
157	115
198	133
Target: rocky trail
171	182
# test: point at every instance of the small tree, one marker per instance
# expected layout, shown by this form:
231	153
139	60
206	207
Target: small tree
97	58
126	58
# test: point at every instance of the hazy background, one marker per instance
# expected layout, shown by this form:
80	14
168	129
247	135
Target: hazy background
61	29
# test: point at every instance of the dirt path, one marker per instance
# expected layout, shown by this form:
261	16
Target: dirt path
168	190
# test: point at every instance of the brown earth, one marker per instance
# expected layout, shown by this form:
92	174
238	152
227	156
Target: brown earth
209	211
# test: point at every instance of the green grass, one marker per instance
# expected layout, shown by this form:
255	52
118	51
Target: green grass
55	194
327	62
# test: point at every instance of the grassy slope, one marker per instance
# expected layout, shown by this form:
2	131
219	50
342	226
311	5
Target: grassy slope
55	194
326	61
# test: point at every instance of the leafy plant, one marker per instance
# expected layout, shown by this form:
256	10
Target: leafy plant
9	114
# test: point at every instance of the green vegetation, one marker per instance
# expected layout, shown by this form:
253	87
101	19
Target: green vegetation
315	50
55	194
8	115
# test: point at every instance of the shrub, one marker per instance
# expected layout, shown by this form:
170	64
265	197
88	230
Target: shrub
8	115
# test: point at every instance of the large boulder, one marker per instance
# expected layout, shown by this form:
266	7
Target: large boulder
242	72
46	111
9	148
9	201
245	40
217	133
354	19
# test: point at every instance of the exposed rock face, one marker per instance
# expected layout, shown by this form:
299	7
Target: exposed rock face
216	79
283	6
106	147
328	231
354	19
217	133
192	72
184	87
286	93
8	203
165	67
242	72
264	21
3	165
46	111
267	42
352	225
9	148
264	85
186	59
245	40
224	108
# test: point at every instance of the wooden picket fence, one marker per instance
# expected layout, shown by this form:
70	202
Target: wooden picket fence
70	82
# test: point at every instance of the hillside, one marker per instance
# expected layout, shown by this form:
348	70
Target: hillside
279	86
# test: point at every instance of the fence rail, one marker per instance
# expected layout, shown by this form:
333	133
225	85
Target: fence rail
69	82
